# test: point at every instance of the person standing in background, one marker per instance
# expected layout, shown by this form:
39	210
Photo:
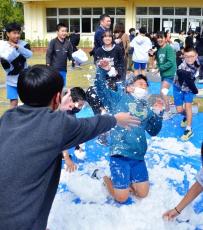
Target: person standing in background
75	40
59	51
18	51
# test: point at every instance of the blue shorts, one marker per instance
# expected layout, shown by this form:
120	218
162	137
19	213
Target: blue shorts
138	65
126	171
181	97
167	79
12	92
63	75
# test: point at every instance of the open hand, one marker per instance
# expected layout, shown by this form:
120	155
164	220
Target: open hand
67	102
126	120
104	64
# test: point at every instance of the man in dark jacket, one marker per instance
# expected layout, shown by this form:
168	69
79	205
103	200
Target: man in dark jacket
59	50
32	137
105	23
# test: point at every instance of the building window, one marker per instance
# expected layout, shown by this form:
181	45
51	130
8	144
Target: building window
154	10
141	10
181	11
195	11
51	12
51	24
168	11
85	20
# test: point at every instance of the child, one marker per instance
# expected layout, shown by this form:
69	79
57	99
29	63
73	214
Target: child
184	89
15	62
78	96
166	62
128	147
32	137
141	44
59	50
194	191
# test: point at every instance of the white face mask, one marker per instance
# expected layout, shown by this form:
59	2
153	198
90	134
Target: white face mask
140	93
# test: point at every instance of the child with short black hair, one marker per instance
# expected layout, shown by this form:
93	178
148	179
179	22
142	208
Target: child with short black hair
184	89
78	96
32	137
128	147
15	61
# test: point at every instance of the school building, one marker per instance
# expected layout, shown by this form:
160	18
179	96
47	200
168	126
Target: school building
41	16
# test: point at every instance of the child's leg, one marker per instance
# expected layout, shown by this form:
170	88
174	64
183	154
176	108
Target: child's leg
12	95
139	178
165	84
188	110
136	68
118	185
120	195
143	68
141	190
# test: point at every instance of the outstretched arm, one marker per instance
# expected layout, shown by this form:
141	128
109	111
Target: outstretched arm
108	97
194	191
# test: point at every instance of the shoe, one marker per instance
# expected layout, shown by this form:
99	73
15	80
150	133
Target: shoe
187	134
94	174
167	115
183	123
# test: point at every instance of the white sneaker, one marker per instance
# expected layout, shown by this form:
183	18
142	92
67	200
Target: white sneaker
167	115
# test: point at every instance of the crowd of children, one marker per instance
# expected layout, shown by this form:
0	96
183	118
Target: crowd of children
48	126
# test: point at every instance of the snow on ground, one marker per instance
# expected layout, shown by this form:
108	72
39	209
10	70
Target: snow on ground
82	203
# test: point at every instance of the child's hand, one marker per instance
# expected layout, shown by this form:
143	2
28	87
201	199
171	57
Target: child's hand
70	166
66	102
126	120
158	105
170	215
104	64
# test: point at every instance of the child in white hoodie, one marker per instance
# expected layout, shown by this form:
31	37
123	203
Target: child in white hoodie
141	45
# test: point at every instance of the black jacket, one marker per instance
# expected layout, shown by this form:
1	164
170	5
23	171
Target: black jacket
58	52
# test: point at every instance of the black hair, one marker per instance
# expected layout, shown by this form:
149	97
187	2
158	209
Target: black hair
202	153
190	49
13	27
38	84
160	34
60	25
109	33
77	93
133	78
131	30
103	16
143	30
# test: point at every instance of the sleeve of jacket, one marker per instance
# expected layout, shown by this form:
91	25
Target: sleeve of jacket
108	97
186	76
70	50
76	131
170	57
49	52
120	64
154	123
25	51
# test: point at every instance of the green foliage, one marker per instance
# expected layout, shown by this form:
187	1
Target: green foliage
38	42
10	11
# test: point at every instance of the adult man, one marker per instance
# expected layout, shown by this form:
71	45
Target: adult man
59	50
105	23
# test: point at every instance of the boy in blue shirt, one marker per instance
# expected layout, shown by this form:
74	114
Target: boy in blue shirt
128	147
184	89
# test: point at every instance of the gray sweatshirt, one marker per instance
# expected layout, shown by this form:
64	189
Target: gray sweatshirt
31	142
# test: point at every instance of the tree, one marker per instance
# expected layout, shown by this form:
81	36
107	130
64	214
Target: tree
10	11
